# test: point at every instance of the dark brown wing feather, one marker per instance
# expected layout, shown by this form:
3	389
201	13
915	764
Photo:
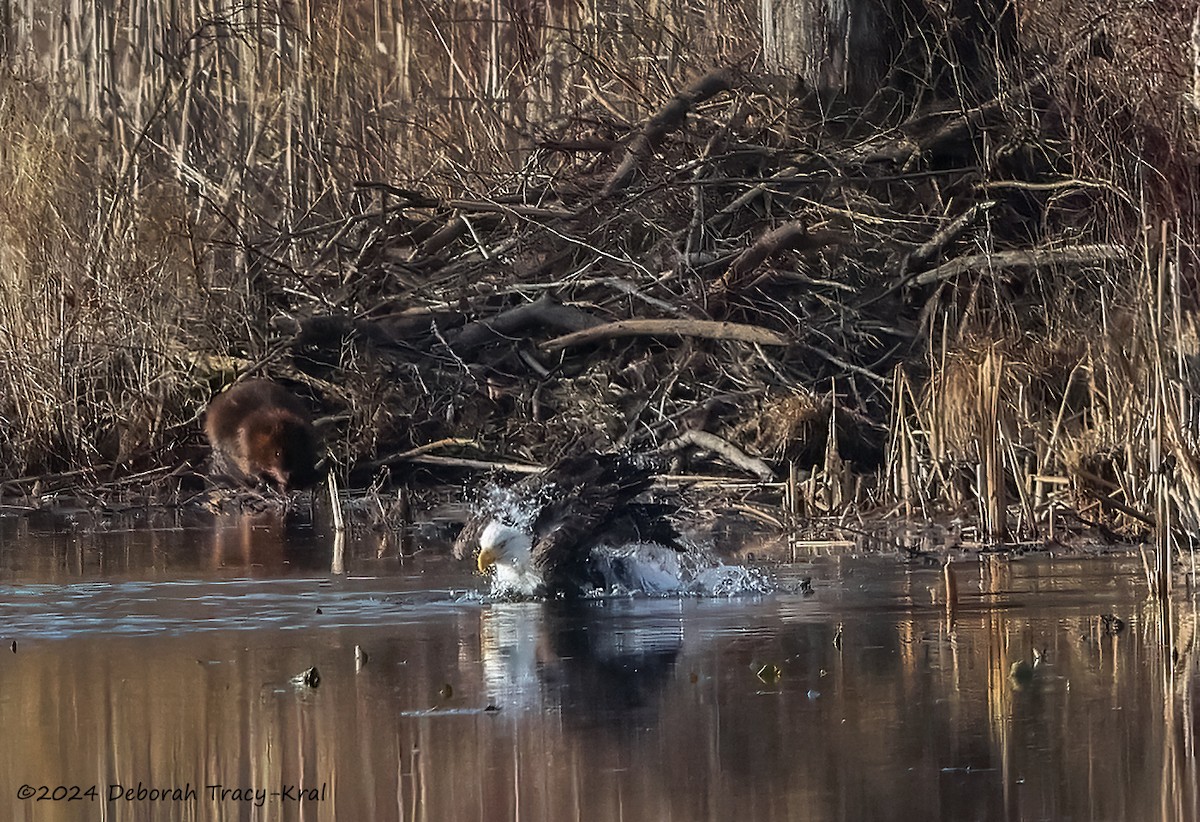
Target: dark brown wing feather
588	494
467	541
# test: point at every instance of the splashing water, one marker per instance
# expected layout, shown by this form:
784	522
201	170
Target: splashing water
652	569
519	509
647	569
631	569
510	583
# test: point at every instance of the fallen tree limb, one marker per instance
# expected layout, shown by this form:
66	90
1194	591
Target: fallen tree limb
920	256
407	196
1022	258
453	229
421	454
746	198
544	311
789	236
724	449
519	209
457	442
706	329
1110	499
666	481
667	119
47	478
463	462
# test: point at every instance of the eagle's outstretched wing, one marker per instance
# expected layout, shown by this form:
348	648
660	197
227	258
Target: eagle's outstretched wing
587	497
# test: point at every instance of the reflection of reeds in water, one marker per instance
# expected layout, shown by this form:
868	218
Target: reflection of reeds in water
1137	663
1175	625
904	707
950	589
266	543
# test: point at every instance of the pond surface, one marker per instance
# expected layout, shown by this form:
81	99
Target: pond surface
166	659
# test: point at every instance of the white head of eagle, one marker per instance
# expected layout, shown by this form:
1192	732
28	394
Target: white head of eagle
506	548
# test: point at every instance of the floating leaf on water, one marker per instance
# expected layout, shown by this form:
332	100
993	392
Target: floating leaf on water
311	678
769	673
1021	673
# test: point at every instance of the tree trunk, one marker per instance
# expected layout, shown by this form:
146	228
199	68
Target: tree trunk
853	48
839	46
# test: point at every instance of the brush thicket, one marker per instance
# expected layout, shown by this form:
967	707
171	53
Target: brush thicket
976	300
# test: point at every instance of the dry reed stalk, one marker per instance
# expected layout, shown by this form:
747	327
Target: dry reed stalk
898	467
1163	518
335	503
834	468
337	565
792	492
914	474
992	491
1027	524
950	588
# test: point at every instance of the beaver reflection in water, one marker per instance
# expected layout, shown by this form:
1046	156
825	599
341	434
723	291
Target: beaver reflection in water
260	431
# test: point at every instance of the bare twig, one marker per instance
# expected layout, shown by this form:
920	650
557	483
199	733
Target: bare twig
707	329
723	448
1022	258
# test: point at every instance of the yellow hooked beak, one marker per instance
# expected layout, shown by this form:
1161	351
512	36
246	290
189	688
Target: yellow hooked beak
487	558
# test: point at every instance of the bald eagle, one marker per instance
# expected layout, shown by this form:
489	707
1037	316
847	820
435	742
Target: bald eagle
573	528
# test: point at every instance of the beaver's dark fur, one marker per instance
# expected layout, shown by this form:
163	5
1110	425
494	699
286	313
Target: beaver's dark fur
261	431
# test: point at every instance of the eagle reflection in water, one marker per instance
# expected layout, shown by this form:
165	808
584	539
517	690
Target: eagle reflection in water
579	658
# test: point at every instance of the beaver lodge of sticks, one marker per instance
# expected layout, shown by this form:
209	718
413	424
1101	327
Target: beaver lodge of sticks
823	314
910	306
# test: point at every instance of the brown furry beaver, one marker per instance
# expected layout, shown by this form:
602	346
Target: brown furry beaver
260	431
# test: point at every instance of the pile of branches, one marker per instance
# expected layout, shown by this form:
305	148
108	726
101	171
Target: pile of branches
740	276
